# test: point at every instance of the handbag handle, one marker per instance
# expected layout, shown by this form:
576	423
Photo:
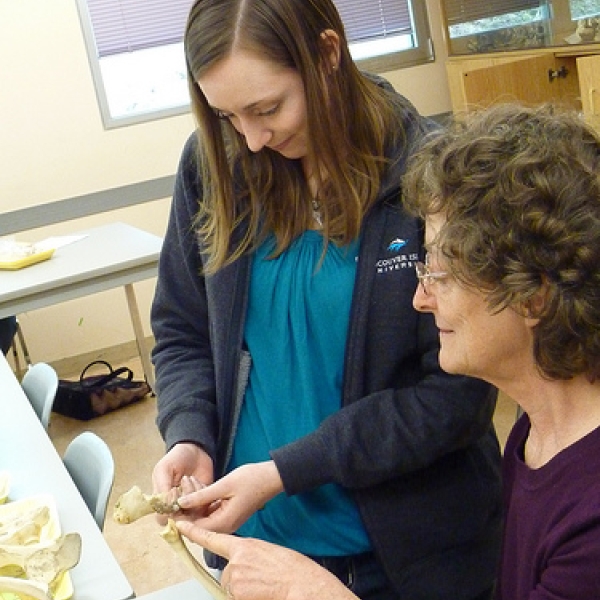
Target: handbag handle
114	374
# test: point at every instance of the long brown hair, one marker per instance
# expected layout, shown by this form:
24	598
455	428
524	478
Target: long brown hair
348	139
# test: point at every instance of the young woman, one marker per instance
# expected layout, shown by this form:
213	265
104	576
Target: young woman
293	373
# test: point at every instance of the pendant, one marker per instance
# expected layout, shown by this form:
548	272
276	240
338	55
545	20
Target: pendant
317	213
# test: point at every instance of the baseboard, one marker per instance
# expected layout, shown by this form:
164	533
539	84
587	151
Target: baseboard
70	367
115	355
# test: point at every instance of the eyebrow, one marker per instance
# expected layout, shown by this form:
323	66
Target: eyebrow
248	107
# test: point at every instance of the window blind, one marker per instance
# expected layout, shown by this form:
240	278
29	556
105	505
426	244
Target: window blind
368	20
463	11
127	25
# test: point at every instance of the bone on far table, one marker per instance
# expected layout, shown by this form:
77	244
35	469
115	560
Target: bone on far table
109	256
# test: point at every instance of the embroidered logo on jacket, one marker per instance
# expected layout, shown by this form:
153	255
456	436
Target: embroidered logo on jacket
396	245
398	260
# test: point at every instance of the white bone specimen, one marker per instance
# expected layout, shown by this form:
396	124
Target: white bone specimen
46	562
134	505
172	536
25	528
22	587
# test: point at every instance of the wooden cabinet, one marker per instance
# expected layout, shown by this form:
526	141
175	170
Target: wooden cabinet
570	77
588	68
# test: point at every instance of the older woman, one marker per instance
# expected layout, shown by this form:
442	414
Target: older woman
511	202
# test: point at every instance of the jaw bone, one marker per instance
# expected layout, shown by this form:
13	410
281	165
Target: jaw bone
172	536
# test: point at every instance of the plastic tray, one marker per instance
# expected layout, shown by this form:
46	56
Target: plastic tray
12	264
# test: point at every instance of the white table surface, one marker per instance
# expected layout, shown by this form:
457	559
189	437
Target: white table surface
188	590
28	454
108	256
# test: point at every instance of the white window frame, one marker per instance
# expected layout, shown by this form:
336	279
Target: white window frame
386	54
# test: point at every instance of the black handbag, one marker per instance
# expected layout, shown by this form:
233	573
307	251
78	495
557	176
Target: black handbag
97	395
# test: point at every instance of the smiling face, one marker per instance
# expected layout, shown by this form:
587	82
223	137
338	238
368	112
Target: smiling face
473	341
263	100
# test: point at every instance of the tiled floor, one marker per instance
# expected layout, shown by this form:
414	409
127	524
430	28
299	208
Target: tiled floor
146	559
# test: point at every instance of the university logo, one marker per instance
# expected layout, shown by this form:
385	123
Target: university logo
396	245
396	260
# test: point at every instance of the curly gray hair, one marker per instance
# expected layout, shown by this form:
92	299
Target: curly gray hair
519	189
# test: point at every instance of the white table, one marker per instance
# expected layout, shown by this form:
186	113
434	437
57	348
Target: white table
188	590
109	256
27	453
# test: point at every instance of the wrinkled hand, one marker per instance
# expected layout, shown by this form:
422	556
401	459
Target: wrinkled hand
258	570
228	503
184	469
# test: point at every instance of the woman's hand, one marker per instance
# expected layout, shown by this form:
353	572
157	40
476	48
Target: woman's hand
229	502
258	570
185	468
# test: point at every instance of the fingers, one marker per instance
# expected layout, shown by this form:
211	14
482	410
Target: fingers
184	459
162	478
188	485
198	495
219	543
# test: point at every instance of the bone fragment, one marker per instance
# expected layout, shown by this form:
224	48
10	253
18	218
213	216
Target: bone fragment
44	563
134	505
26	527
23	587
172	536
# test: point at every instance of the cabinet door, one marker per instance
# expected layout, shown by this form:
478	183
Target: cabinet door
456	70
527	81
589	83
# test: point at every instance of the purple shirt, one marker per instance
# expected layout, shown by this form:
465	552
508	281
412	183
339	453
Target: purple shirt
552	538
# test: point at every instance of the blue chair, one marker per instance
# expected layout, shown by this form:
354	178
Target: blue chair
91	466
40	383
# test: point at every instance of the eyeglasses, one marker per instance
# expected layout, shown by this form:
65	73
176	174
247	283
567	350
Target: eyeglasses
425	276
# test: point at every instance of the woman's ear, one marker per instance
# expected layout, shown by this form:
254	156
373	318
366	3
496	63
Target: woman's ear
330	42
535	306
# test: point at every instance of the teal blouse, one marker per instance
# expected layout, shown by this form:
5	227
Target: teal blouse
296	330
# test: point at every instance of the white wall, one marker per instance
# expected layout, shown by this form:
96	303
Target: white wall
53	146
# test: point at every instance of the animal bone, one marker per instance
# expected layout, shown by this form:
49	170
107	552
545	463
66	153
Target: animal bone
44	563
24	528
134	505
172	536
22	587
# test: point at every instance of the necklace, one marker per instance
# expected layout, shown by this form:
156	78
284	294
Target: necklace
316	210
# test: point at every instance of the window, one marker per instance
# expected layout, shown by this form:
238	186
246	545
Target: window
584	9
492	25
136	52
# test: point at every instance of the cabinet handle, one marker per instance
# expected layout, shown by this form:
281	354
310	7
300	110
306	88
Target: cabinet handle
592	94
555	74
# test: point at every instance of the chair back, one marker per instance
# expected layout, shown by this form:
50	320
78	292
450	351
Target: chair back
40	383
90	463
